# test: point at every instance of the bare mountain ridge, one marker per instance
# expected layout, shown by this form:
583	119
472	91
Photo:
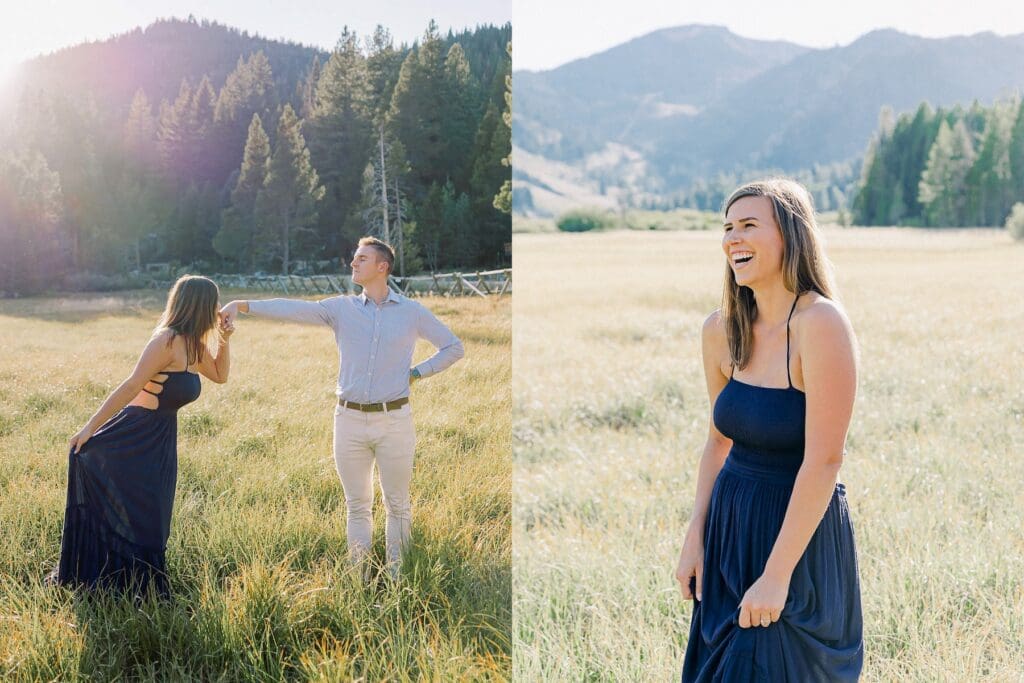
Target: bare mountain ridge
690	102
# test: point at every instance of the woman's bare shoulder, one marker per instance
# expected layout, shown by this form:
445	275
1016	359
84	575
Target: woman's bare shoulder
822	321
163	335
714	324
818	311
169	342
714	341
713	331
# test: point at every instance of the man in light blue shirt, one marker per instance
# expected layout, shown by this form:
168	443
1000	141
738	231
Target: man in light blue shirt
376	332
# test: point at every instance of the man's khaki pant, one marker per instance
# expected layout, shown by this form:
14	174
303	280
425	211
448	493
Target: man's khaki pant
387	437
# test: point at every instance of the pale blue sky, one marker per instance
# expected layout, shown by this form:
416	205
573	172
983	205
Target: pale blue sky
32	27
547	33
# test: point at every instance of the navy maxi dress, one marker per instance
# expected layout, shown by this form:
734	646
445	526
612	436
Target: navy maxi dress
818	637
120	495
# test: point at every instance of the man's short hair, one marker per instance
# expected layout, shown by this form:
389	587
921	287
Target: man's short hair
385	252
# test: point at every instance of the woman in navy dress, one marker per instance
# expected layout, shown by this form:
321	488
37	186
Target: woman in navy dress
769	556
123	463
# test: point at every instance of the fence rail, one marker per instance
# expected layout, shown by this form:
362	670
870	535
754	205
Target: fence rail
479	283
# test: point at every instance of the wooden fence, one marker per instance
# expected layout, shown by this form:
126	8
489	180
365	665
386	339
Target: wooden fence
480	283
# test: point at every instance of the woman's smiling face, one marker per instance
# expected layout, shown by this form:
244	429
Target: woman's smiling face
752	241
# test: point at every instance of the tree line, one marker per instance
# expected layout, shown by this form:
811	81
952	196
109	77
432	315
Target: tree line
946	167
263	173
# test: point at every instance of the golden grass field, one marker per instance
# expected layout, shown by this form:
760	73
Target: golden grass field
610	418
257	550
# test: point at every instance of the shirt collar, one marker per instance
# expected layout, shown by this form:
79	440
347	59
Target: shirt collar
392	296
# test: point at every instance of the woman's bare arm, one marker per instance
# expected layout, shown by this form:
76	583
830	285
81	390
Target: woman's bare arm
716	448
215	366
828	359
157	355
830	379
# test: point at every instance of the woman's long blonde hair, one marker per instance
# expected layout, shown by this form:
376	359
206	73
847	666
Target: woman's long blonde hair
191	312
804	265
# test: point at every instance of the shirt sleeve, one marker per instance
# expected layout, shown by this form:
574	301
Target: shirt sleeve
449	347
323	312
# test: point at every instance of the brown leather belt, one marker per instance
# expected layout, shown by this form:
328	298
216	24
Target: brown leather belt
374	407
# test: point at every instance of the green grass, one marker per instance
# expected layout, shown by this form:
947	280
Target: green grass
611	417
257	551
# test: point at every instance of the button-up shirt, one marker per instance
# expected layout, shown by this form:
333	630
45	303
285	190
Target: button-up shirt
376	343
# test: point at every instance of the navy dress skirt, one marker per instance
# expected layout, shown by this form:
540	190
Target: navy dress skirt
818	636
121	493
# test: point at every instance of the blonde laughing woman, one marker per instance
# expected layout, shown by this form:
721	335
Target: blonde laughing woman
769	557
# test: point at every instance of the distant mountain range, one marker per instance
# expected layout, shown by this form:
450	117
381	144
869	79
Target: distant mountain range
655	114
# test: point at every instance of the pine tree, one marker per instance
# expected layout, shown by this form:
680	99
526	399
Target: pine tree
341	139
988	179
384	193
65	131
1016	154
429	227
385	169
920	136
239	227
383	63
176	137
942	186
456	230
194	225
459	119
204	102
306	89
418	110
503	200
140	134
135	202
489	175
248	90
870	199
287	203
31	257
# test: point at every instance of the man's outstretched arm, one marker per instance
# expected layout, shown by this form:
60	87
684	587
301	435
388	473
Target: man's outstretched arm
449	347
296	310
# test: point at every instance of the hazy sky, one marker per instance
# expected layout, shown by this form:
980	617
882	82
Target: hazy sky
547	33
34	27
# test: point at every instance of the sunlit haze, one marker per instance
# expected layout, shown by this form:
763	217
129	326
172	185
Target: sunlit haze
34	28
548	34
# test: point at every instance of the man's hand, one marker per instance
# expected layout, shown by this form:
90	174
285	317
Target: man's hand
231	311
414	375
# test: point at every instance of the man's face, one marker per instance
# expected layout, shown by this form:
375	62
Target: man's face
366	265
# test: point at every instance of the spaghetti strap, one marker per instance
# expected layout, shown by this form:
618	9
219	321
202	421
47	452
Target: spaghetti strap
788	378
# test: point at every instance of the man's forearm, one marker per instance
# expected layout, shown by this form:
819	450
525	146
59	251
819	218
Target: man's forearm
441	360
